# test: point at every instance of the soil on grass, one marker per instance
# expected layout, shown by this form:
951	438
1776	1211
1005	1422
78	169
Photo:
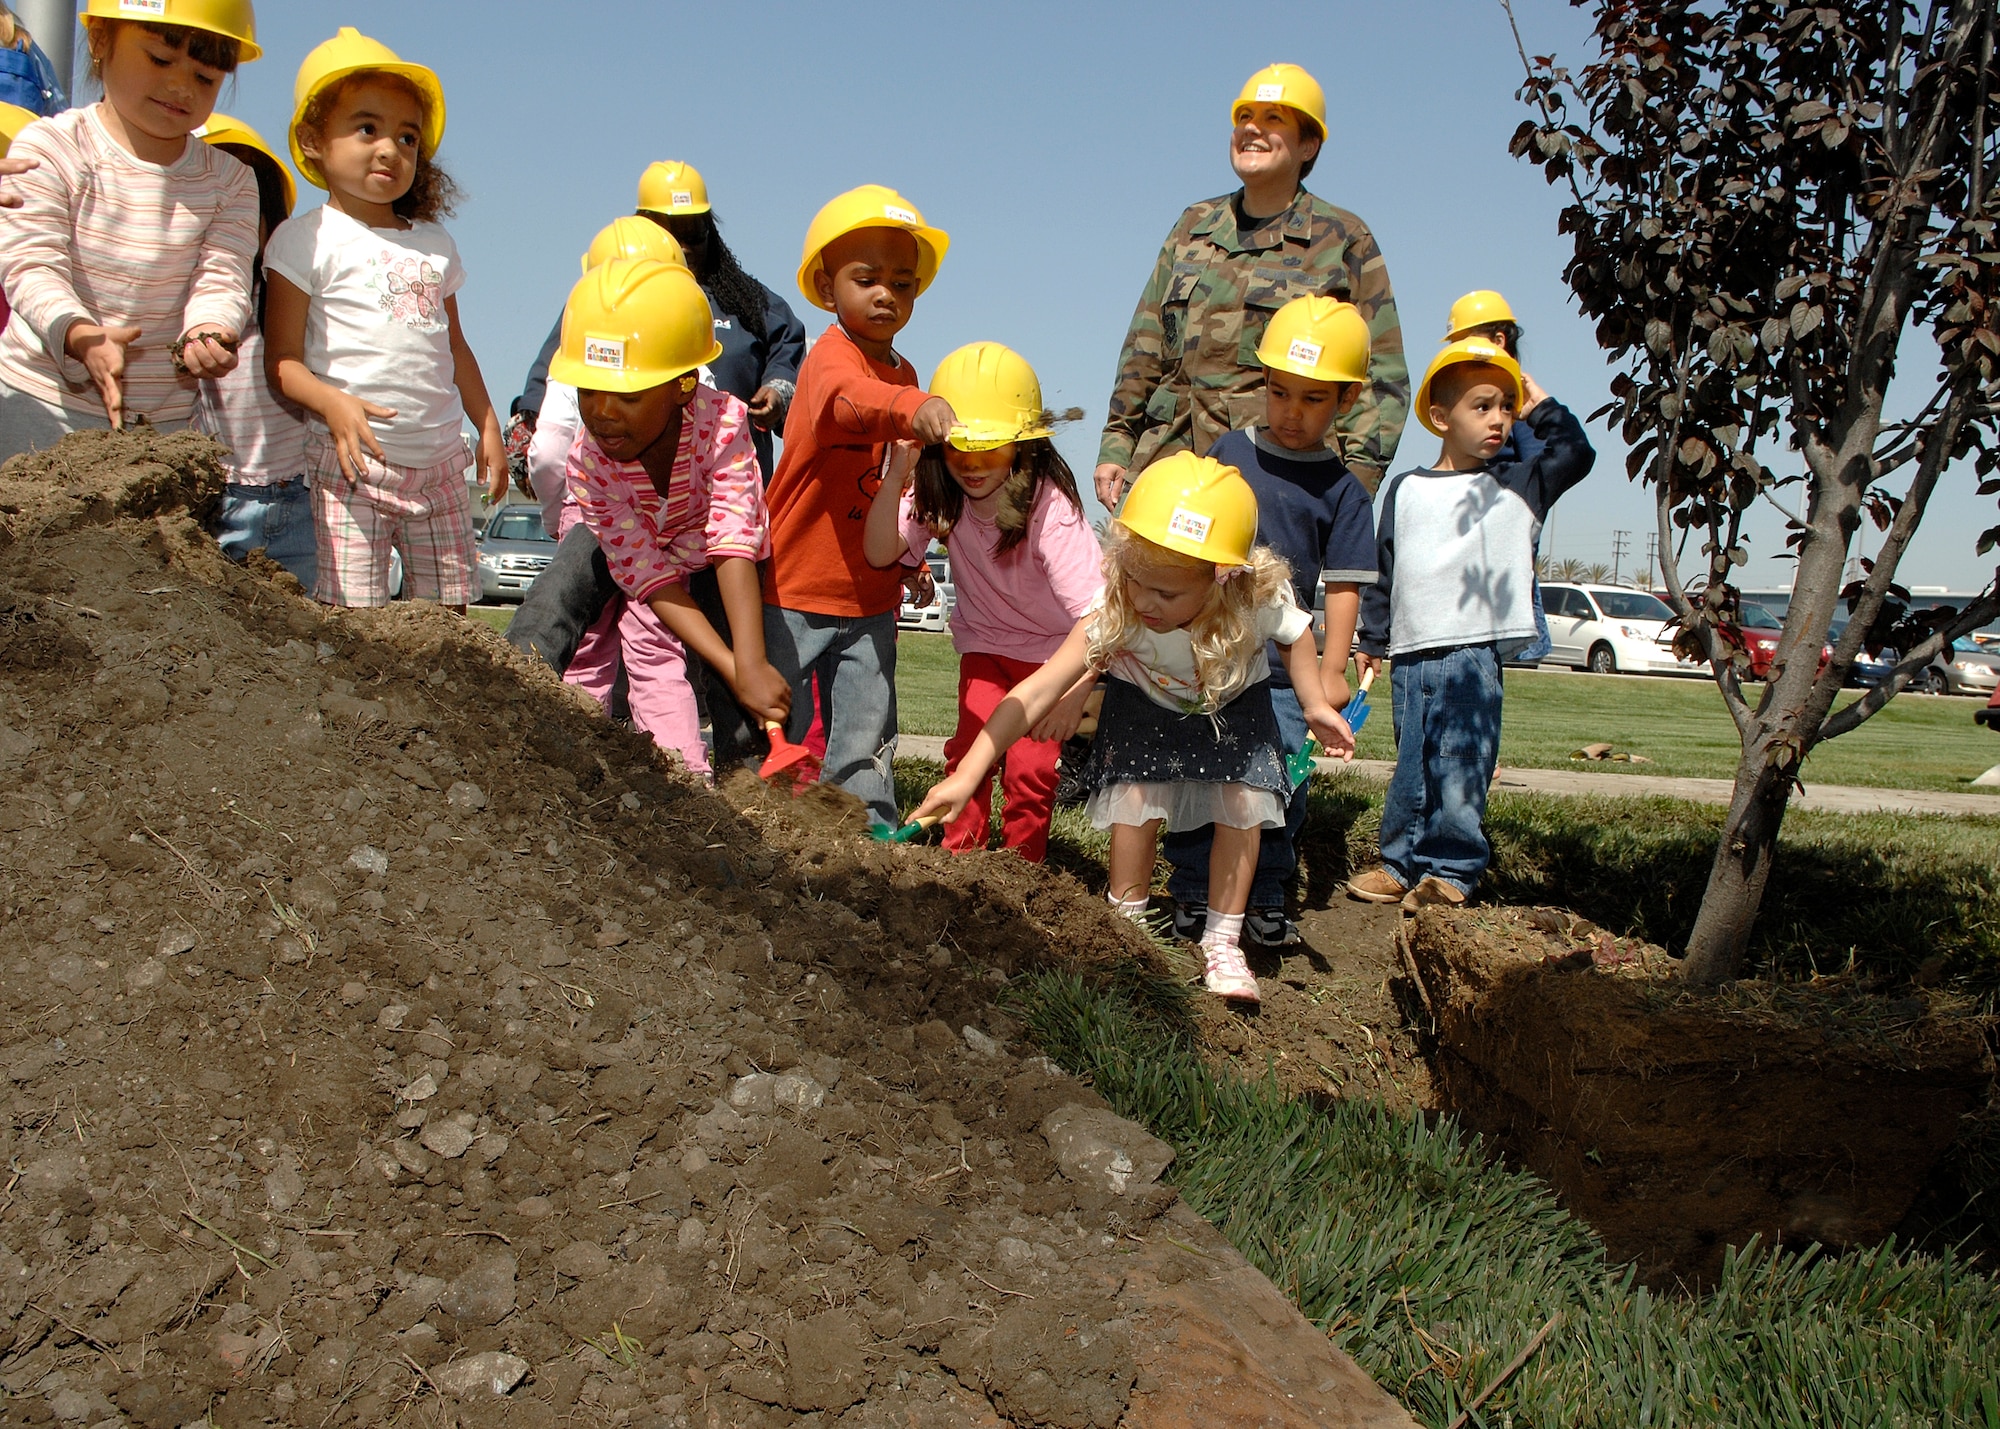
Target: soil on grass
379	1025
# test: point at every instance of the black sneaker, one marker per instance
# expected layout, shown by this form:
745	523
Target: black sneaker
1270	928
1190	921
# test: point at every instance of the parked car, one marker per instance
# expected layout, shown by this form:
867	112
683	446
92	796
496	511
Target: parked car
935	614
1608	629
513	550
1971	669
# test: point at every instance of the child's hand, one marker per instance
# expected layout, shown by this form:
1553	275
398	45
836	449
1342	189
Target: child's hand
1532	395
208	351
9	167
1364	663
761	690
493	464
1061	722
346	418
903	463
101	350
1331	731
934	421
920	585
764	405
946	800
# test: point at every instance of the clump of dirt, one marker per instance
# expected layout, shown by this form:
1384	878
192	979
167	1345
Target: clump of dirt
386	1035
1678	1122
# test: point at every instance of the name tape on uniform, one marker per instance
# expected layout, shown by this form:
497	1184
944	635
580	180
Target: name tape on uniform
604	352
1191	525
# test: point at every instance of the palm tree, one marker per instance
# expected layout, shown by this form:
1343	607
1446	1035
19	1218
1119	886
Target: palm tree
1567	569
1597	573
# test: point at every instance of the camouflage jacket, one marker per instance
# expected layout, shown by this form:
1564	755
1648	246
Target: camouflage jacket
1189	371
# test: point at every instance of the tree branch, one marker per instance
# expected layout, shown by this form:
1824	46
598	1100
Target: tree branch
1975	614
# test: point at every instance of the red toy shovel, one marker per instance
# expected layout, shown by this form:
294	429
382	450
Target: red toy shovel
784	754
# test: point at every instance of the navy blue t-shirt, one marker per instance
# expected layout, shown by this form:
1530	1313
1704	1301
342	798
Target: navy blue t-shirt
1311	510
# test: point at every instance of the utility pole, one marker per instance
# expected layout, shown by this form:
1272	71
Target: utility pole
1621	547
1652	555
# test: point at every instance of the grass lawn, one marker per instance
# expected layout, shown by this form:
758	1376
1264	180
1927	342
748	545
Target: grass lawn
497	616
1918	742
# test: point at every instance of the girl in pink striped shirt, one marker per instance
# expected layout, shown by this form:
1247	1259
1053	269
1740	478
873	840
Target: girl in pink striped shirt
666	478
127	264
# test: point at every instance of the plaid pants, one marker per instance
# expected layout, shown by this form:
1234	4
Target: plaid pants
423	512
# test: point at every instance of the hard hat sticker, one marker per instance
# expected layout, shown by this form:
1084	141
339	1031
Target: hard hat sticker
1192	525
156	8
901	215
604	352
1303	351
1270	94
681	198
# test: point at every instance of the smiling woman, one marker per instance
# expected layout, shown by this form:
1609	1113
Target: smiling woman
1189	370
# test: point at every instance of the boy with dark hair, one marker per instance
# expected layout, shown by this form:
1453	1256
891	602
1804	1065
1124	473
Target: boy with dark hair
828	613
1315	513
1455	549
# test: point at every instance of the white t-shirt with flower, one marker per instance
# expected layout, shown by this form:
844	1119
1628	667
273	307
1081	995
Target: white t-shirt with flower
377	326
1161	662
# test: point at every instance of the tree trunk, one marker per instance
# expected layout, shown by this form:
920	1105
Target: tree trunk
1721	937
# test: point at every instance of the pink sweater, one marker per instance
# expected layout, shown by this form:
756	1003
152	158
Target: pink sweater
714	507
103	237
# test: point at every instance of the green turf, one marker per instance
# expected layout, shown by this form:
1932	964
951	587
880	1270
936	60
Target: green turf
497	616
1918	742
1433	1266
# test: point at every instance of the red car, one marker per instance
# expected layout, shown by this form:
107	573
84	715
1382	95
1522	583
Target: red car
1760	631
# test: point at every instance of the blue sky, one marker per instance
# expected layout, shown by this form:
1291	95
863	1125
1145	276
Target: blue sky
1056	143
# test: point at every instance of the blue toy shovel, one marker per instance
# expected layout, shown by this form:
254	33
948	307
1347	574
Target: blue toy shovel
1299	765
1356	713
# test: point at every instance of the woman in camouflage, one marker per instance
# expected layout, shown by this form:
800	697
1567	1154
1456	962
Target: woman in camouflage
1189	370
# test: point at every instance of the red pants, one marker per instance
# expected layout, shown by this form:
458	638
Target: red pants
1028	776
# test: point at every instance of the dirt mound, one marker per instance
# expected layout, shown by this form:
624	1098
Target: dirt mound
389	1036
1676	1121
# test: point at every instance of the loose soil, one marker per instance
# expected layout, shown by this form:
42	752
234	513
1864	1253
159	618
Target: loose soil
383	1029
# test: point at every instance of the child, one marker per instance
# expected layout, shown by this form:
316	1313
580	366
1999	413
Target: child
828	613
665	476
127	265
1486	314
1318	517
1026	563
364	332
1187	736
1455	546
266	505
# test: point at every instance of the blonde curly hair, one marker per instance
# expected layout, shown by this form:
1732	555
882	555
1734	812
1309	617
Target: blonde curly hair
1223	632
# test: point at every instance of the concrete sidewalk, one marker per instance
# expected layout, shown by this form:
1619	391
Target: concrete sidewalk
1836	798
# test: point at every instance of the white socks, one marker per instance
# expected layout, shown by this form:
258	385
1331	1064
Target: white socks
1133	908
1224	930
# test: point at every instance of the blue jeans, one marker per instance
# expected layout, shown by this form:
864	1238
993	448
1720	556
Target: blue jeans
277	519
1447	717
1277	851
855	659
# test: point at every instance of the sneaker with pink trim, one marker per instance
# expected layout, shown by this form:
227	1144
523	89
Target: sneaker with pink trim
1229	976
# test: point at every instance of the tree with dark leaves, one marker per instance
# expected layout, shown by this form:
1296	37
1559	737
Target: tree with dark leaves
1774	204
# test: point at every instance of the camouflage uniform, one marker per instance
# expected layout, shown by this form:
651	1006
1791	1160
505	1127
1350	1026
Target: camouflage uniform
1189	371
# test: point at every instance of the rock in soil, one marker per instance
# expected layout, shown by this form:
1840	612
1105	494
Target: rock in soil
1678	1121
389	1038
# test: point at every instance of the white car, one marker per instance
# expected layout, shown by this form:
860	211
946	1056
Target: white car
936	615
1609	629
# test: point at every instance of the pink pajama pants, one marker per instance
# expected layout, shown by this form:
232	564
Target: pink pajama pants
657	686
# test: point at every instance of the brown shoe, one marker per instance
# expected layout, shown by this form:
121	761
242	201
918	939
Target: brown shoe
1433	891
1378	885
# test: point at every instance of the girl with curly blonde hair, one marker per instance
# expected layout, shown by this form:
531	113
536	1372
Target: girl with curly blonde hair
1187	736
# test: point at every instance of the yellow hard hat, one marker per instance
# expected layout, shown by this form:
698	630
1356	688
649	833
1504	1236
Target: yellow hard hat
351	52
668	186
1474	311
870	206
1322	339
995	395
1466	349
232	18
224	133
630	236
13	119
1287	85
634	323
1194	505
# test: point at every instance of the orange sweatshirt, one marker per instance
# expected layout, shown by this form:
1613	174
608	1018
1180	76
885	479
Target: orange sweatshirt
847	409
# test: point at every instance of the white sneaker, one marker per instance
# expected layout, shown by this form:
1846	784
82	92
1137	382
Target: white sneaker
1229	976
